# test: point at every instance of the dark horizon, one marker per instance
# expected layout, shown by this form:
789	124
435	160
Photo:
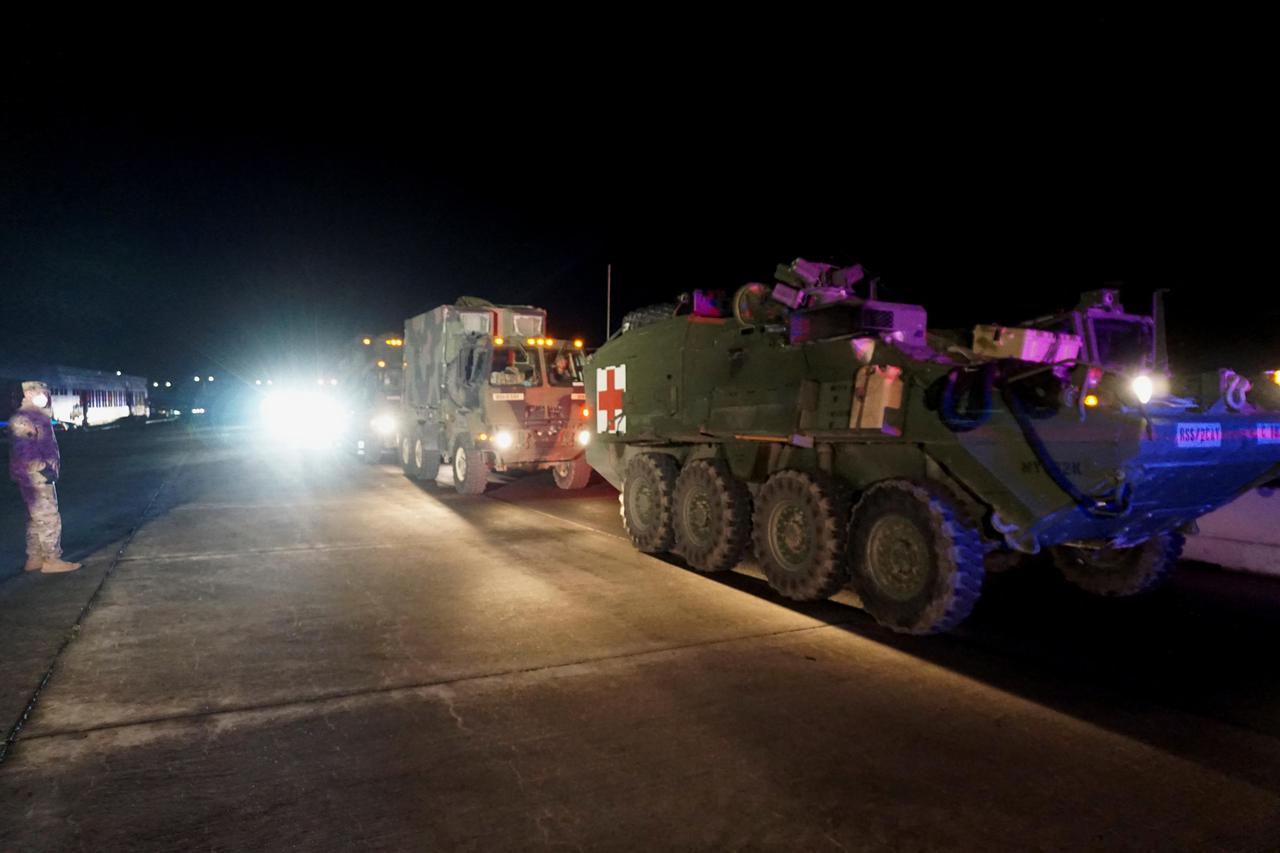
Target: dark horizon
247	221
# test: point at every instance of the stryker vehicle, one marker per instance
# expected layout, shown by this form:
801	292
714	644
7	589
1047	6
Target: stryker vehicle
371	377
852	445
485	389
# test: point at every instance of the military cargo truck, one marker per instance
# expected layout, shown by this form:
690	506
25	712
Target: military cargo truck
850	444
486	388
370	377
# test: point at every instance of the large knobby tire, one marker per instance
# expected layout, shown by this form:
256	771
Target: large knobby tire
408	463
572	473
915	557
1121	571
712	514
426	459
648	491
470	473
649	314
799	528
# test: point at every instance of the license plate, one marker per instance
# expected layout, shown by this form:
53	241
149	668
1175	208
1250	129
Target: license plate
1268	433
508	396
1199	435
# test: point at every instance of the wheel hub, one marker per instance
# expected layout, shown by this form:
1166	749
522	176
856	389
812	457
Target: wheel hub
697	518
789	536
643	505
898	558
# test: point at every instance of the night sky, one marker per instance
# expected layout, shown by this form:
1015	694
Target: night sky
244	209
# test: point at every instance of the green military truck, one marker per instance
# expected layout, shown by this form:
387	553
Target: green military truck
486	388
852	445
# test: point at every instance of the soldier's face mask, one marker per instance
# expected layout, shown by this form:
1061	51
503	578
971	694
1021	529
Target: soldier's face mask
40	399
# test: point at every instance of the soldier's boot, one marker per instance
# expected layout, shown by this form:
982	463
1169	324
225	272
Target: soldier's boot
51	567
34	564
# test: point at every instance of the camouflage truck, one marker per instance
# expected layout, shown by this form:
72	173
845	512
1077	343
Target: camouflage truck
370	379
850	444
487	389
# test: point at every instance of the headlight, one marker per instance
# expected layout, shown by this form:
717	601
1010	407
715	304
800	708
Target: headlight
1142	388
383	424
308	418
584	437
502	440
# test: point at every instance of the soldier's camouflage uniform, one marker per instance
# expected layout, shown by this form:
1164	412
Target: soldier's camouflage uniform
32	450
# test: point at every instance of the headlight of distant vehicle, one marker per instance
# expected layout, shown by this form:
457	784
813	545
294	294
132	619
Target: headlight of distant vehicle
503	439
383	424
1142	388
584	437
312	419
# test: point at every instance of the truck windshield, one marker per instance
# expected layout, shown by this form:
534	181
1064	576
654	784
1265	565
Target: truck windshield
515	365
564	366
1123	343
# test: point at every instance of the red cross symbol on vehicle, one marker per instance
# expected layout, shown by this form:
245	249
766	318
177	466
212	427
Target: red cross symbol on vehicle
609	399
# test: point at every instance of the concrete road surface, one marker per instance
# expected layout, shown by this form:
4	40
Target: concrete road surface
280	650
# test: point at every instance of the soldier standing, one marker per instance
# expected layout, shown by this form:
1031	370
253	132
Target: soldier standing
34	464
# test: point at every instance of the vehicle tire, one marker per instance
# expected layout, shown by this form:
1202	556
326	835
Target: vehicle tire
1120	571
649	314
799	529
711	516
648	490
572	473
915	557
407	462
470	473
425	459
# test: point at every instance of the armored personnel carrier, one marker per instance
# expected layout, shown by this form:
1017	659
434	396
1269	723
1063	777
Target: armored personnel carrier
487	389
850	444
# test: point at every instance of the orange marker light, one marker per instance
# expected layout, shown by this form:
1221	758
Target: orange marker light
586	411
498	342
484	436
1275	376
577	344
529	342
366	341
1091	400
381	363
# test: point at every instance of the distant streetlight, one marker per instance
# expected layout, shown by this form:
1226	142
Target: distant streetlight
155	384
168	384
210	378
257	382
118	373
196	378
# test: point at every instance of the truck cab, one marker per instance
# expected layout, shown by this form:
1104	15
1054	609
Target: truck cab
486	389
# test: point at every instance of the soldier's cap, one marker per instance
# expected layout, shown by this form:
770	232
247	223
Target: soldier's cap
35	386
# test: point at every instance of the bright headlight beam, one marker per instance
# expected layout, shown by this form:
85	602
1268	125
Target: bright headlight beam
502	440
1142	388
584	437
